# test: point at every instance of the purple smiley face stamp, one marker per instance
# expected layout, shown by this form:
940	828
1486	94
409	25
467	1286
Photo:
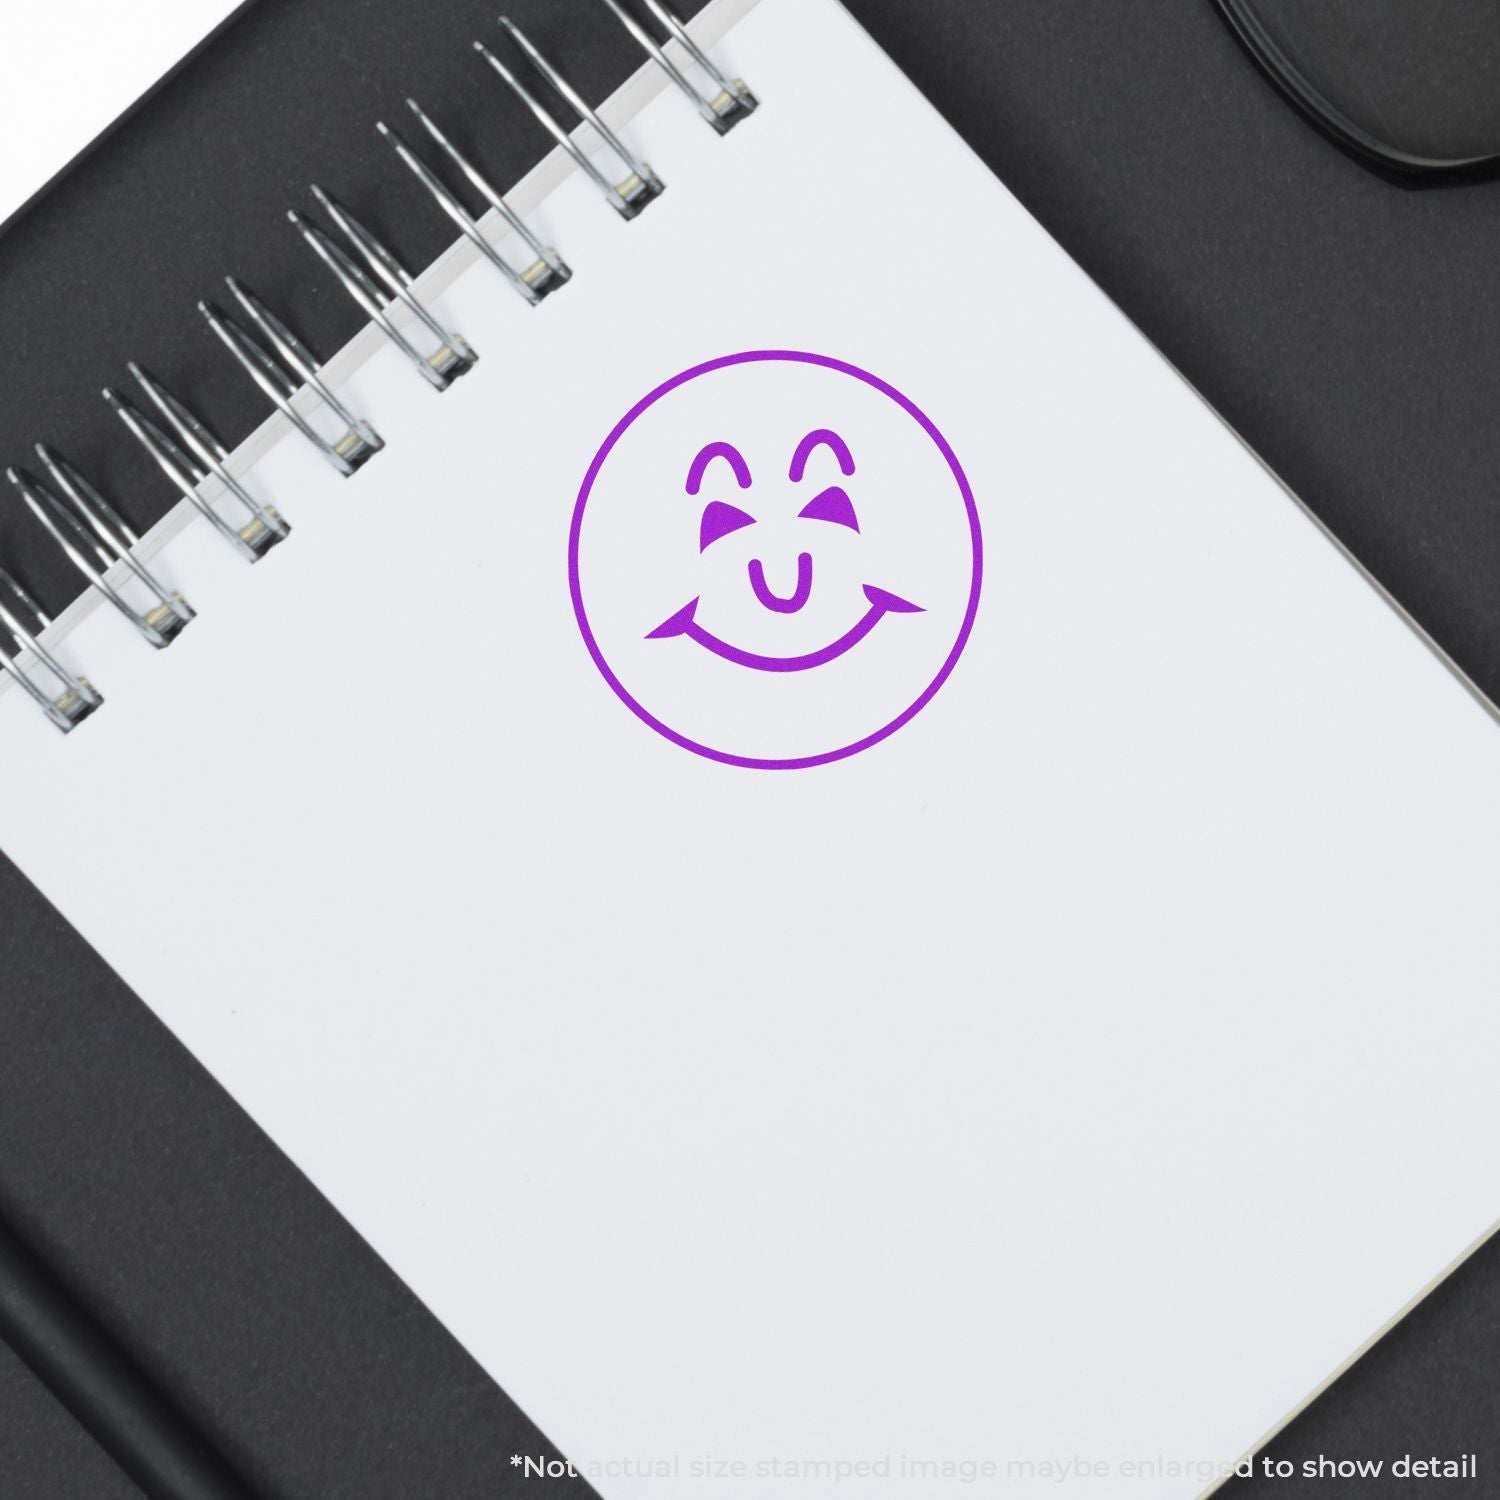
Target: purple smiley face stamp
775	560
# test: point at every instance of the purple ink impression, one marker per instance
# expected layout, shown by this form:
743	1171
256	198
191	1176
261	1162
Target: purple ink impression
833	505
718	465
773	601
881	604
721	519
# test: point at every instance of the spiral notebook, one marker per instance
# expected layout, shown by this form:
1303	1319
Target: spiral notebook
806	844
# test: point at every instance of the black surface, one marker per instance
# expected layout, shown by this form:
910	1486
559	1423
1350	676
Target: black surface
1428	1389
1347	327
102	1388
44	1453
1413	85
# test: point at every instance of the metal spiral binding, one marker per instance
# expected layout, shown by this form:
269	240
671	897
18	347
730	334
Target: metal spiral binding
640	186
452	357
91	532
68	700
730	102
94	537
547	271
358	443
205	456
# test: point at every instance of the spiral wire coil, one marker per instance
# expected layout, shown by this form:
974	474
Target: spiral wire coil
88	528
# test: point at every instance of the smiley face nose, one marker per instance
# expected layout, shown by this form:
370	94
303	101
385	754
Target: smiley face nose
771	600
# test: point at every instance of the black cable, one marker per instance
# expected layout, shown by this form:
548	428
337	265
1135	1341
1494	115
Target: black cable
129	1417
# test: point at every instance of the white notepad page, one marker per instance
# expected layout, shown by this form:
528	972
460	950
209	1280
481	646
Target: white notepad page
1081	1071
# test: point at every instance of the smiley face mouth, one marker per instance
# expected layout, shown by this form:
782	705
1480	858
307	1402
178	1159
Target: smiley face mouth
881	602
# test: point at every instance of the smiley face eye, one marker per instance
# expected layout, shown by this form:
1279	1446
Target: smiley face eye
719	519
834	505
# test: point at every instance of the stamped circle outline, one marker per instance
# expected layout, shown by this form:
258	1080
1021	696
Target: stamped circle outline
575	532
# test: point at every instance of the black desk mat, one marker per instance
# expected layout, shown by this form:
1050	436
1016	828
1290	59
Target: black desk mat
1345	326
44	1453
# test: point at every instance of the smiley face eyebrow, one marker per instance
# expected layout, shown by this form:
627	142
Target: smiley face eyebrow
730	454
822	437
